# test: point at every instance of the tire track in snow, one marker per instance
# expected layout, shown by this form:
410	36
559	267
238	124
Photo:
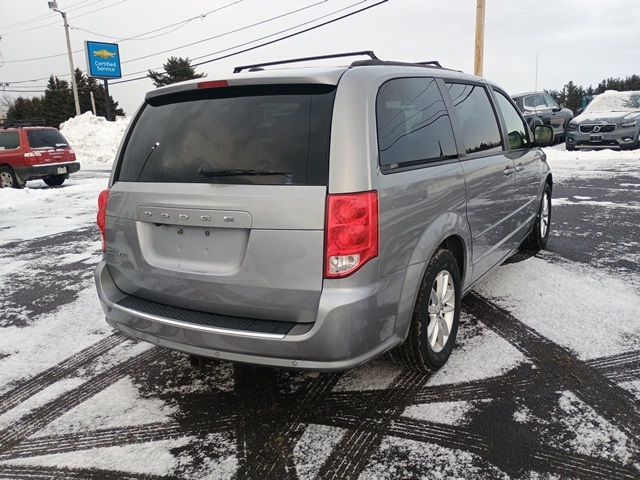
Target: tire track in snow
42	416
111	437
268	453
618	406
351	455
17	472
27	388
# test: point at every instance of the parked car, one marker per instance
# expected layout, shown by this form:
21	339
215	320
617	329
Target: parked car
31	153
611	120
315	218
542	109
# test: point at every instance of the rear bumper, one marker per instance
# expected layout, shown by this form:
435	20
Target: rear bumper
352	327
42	171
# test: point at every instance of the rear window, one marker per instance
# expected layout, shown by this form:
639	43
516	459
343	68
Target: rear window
46	138
9	140
268	135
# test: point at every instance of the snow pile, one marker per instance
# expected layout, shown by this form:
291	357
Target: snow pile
94	140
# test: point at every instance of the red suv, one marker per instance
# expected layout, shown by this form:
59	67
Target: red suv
31	153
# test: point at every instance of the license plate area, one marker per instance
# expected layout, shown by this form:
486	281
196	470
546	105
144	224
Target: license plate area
595	138
200	250
61	170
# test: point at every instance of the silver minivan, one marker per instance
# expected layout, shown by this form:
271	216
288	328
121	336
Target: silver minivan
316	218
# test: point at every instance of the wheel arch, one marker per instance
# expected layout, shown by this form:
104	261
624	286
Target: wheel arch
451	231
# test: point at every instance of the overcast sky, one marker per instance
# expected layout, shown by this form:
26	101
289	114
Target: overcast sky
579	40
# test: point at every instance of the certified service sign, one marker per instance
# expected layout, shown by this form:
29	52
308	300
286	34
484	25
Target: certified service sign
103	60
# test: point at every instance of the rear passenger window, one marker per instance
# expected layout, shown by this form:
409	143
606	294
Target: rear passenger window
9	141
517	133
413	123
477	119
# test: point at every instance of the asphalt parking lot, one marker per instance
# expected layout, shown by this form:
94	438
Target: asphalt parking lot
544	383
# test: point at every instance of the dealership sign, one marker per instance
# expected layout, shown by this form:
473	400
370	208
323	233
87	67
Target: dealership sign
103	60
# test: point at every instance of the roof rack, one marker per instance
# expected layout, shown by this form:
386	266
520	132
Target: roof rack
24	122
257	66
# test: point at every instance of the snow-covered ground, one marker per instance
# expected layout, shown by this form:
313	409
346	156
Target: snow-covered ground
539	341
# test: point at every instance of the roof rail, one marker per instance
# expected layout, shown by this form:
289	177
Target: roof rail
24	122
427	64
258	66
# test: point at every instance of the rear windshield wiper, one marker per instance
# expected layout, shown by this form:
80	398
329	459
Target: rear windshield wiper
232	172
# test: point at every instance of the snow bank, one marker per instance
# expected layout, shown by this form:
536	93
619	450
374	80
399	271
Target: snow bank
94	140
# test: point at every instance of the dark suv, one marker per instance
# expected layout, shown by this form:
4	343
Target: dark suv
31	153
542	109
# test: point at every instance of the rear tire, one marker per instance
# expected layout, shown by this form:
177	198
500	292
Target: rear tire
8	178
55	181
537	239
436	314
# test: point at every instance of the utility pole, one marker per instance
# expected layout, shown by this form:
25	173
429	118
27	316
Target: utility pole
479	54
53	5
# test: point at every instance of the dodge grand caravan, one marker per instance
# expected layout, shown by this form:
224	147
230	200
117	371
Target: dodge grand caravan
315	218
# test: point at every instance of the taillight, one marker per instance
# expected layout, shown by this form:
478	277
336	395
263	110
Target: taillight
351	232
103	199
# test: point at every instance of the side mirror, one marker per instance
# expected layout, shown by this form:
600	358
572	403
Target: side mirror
543	135
562	105
580	110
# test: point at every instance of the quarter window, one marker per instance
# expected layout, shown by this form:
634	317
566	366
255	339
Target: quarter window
517	133
476	116
413	123
9	140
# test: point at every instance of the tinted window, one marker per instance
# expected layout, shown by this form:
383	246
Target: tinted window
477	119
46	138
517	133
413	122
202	133
533	102
9	140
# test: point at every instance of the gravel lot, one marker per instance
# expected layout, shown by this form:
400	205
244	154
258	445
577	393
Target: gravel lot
544	383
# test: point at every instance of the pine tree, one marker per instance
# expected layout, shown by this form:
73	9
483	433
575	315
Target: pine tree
58	103
176	69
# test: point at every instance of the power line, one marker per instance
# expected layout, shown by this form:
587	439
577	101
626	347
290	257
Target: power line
342	17
135	37
57	23
206	39
45	15
228	32
180	24
249	42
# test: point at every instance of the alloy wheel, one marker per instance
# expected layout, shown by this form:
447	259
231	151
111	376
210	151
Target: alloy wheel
544	216
442	308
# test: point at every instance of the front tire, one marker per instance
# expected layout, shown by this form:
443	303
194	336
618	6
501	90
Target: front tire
55	181
8	178
537	239
436	315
